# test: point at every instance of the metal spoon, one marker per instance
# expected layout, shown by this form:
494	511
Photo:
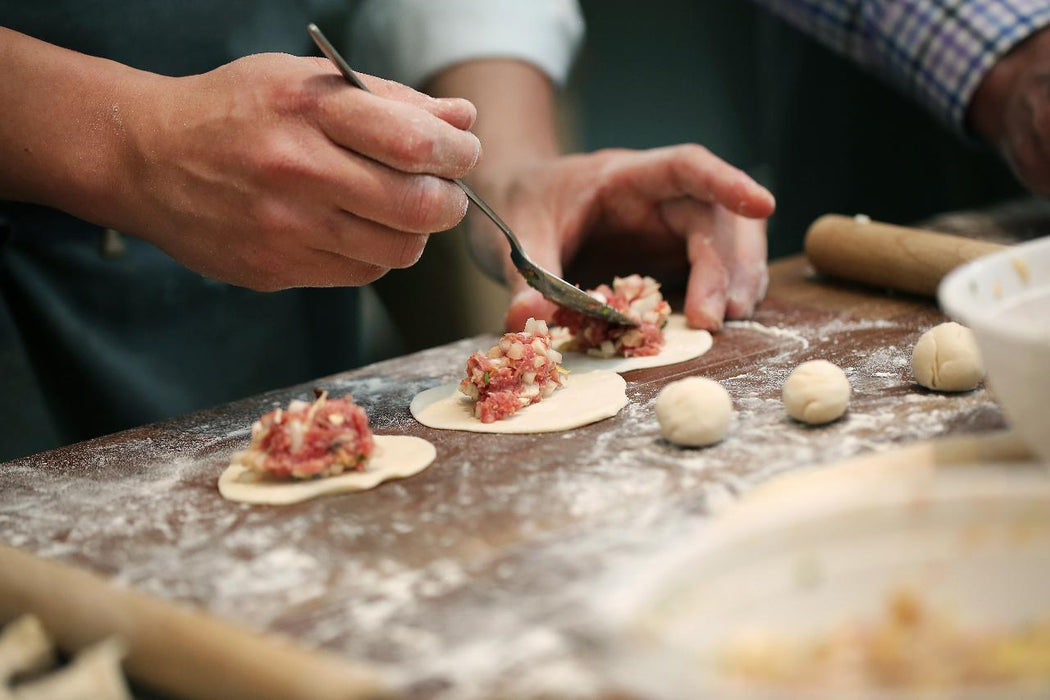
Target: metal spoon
549	285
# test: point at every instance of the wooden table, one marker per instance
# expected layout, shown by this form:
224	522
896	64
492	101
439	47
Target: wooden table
461	580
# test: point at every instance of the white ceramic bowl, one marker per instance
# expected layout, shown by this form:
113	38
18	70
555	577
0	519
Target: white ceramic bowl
799	556
1005	299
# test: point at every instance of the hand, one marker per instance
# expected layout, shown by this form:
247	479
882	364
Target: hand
709	213
1011	110
272	172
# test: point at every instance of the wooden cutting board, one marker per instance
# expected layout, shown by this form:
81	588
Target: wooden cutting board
461	580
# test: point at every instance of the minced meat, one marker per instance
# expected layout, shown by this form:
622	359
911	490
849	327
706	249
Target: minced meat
521	369
636	297
323	438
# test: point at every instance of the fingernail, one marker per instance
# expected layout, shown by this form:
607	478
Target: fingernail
769	197
703	321
460	104
710	313
739	306
477	152
473	114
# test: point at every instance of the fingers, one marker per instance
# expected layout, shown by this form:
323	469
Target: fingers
727	255
705	294
543	249
526	304
748	273
687	170
410	203
328	269
274	270
381	159
334	249
317	173
398	134
705	299
355	238
456	111
392	124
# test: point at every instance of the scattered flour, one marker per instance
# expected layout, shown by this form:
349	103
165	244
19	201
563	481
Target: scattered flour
468	580
771	330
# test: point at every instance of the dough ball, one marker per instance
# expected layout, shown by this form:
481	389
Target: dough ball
816	392
693	412
946	358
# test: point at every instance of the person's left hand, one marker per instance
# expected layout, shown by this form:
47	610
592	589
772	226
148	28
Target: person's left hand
680	201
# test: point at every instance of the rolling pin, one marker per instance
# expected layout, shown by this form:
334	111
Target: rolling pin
883	255
174	649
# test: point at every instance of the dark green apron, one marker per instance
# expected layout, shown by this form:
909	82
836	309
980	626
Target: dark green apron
93	341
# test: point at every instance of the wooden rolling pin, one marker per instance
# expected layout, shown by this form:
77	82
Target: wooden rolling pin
887	256
171	648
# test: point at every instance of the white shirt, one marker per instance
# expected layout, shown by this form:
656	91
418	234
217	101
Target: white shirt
411	40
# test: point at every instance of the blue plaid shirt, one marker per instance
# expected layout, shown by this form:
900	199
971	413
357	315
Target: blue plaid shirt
935	50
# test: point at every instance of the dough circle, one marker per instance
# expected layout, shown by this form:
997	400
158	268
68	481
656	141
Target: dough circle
681	343
946	358
394	457
816	392
694	412
587	397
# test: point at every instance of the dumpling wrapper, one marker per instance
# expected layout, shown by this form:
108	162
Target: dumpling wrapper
394	457
681	343
586	397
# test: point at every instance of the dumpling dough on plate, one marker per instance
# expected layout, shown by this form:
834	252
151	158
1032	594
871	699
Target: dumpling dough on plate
682	343
586	397
394	457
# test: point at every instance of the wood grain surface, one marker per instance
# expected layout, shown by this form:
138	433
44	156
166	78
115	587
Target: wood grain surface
468	579
887	256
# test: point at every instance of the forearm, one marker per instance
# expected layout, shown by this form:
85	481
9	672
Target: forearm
515	104
516	125
63	135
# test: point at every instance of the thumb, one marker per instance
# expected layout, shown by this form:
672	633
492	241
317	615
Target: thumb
527	302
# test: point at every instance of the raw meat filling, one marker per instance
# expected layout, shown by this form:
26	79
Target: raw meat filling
635	296
521	369
323	438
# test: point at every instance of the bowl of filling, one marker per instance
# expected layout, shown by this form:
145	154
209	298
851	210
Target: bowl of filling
1005	299
892	582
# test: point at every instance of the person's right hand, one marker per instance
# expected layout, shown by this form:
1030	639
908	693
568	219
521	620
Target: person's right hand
1011	110
272	172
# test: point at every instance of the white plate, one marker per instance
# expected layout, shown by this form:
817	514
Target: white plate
1005	299
816	550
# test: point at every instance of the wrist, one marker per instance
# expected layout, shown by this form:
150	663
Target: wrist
66	141
107	170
